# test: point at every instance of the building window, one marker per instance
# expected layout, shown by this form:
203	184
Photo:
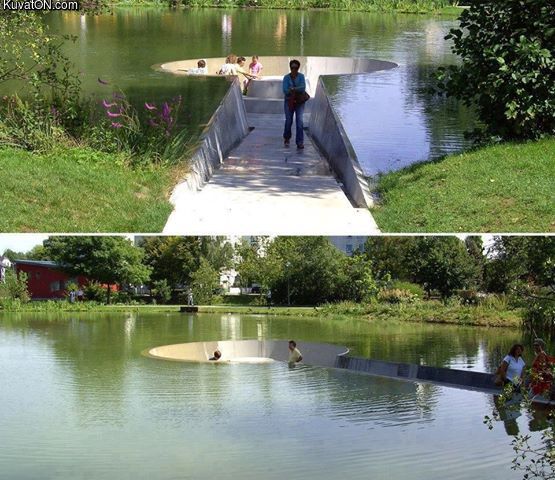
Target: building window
55	286
349	248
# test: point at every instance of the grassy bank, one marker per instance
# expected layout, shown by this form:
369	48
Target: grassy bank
81	190
502	188
428	311
404	6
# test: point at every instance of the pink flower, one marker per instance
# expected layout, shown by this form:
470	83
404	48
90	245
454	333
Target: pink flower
108	105
117	125
148	106
113	115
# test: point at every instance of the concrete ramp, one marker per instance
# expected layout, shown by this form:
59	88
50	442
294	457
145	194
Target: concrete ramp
259	187
264	188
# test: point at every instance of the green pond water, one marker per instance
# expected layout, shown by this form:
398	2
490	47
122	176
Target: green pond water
390	119
78	399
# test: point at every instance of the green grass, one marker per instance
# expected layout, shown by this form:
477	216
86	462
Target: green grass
407	6
80	190
430	311
502	188
424	311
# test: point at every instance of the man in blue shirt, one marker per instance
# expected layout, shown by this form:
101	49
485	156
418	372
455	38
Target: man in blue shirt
294	87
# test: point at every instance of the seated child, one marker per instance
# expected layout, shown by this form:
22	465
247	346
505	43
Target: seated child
200	70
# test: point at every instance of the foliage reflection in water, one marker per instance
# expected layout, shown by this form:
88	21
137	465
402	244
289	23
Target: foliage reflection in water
389	118
90	404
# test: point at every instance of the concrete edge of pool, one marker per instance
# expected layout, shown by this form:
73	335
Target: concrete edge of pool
248	351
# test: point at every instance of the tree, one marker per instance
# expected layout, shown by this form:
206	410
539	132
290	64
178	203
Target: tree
441	263
36	253
360	284
14	287
252	263
161	291
527	259
507	69
475	248
387	256
305	270
174	259
204	282
108	260
525	267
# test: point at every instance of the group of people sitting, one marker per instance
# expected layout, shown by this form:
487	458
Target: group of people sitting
512	370
233	65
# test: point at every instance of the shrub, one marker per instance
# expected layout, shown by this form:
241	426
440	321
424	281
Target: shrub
539	313
413	288
31	126
344	308
508	66
13	289
161	291
396	295
95	292
467	297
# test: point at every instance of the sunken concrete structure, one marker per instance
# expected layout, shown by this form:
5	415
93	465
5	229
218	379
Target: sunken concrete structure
329	356
408	371
241	171
250	351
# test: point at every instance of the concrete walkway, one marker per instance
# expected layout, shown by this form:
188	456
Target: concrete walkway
264	188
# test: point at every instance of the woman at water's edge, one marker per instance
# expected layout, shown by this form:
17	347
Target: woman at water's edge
294	85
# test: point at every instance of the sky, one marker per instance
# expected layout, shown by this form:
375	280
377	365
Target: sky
20	242
23	242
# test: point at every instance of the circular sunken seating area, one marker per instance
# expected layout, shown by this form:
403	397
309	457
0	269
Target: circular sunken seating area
249	351
275	67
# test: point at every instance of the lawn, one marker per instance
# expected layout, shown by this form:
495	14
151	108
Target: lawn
503	188
81	190
423	312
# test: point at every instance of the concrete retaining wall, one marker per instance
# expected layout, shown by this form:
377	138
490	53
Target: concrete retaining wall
329	135
225	130
408	371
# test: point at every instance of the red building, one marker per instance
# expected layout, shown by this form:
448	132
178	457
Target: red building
46	280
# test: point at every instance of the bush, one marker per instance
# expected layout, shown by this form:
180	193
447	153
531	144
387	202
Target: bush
396	295
344	308
467	297
508	66
539	313
95	292
161	291
13	289
413	288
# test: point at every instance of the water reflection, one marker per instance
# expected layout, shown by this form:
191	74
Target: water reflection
81	392
390	121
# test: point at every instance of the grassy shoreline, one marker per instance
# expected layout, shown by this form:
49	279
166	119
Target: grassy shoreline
500	188
416	7
76	189
421	312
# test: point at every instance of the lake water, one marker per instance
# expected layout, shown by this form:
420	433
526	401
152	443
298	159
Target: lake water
79	400
391	120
